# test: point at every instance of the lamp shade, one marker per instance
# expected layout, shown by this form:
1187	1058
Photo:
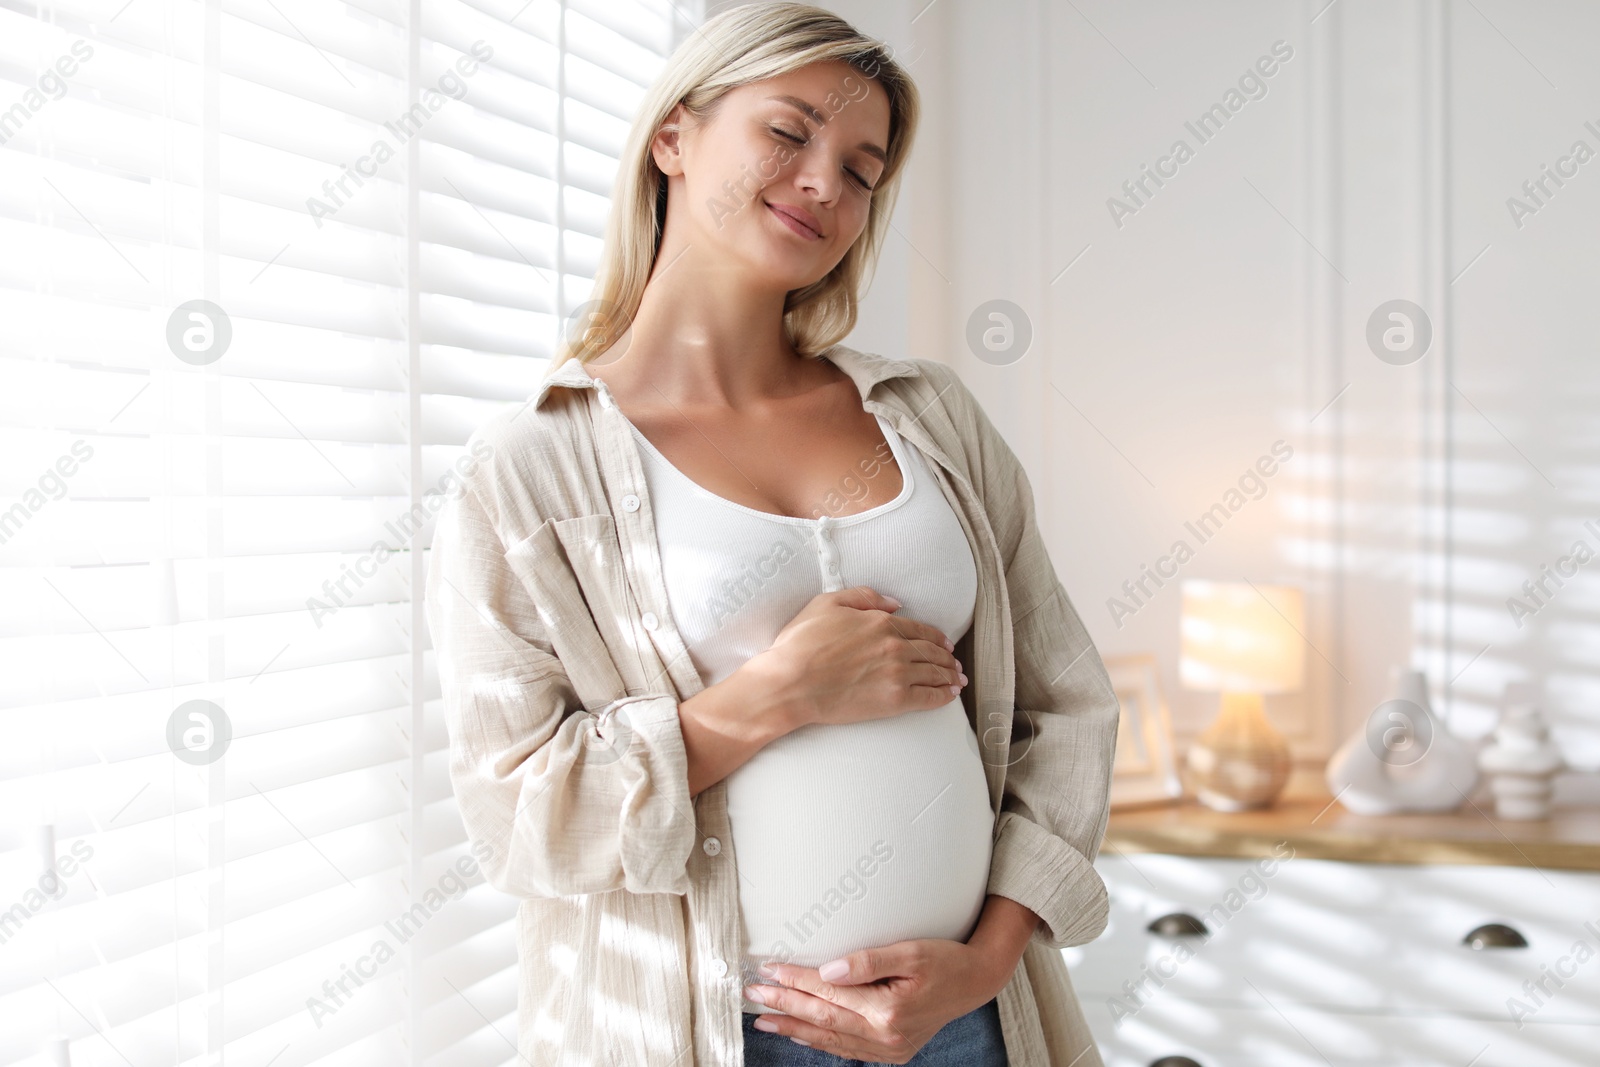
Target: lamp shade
1242	638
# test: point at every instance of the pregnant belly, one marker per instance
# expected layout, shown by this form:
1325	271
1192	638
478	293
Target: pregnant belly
858	835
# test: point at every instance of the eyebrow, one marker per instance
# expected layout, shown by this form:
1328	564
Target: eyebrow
816	116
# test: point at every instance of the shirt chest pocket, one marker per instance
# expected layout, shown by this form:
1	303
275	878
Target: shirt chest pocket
573	570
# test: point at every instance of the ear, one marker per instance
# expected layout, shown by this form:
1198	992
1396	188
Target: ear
667	145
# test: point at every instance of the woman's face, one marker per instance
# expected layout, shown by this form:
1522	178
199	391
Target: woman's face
780	178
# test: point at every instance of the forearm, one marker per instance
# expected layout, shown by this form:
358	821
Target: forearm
1002	934
724	725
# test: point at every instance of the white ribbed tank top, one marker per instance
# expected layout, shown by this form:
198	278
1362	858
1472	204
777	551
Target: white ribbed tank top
846	836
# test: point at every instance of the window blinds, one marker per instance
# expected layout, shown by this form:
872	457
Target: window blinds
266	265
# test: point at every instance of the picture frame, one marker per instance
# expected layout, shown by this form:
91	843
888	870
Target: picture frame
1145	772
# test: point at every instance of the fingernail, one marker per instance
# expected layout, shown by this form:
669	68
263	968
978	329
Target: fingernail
962	677
768	970
753	992
955	690
766	1024
797	1041
833	969
892	600
949	645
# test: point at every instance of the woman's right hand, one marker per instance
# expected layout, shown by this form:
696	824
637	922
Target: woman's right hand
846	657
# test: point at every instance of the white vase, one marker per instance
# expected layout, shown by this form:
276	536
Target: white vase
1403	759
1522	762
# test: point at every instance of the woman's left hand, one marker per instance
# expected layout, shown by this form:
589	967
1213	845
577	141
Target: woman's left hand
888	1004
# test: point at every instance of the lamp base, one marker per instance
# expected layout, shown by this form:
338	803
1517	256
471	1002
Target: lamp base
1240	763
1221	802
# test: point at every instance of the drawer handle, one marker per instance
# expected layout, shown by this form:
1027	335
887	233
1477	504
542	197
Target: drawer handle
1178	924
1175	1061
1495	935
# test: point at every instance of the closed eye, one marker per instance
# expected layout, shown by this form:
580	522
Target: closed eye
801	141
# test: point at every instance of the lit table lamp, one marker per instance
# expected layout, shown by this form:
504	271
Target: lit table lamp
1242	641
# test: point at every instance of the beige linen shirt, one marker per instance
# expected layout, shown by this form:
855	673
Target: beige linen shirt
562	671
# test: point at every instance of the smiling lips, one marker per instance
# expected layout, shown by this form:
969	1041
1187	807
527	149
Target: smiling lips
798	219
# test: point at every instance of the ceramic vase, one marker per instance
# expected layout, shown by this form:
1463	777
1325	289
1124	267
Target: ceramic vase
1403	759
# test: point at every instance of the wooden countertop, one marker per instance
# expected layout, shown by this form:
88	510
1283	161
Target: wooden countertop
1317	826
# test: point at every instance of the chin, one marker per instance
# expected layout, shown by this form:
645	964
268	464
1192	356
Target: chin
787	272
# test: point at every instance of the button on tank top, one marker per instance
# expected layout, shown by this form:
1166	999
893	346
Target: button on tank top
853	835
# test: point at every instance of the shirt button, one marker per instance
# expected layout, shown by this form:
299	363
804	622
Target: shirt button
650	621
833	568
712	846
719	968
630	503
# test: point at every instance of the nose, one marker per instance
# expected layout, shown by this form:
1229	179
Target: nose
819	174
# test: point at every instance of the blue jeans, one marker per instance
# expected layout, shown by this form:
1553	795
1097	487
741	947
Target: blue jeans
973	1040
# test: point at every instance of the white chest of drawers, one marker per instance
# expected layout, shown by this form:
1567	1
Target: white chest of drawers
1278	949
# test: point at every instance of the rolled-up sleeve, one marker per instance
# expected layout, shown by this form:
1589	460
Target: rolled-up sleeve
1056	799
569	801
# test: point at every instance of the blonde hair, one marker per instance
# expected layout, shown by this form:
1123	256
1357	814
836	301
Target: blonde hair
742	45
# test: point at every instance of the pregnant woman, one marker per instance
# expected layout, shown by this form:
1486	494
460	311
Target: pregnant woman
761	689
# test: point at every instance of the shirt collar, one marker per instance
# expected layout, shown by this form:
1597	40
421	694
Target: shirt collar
866	369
